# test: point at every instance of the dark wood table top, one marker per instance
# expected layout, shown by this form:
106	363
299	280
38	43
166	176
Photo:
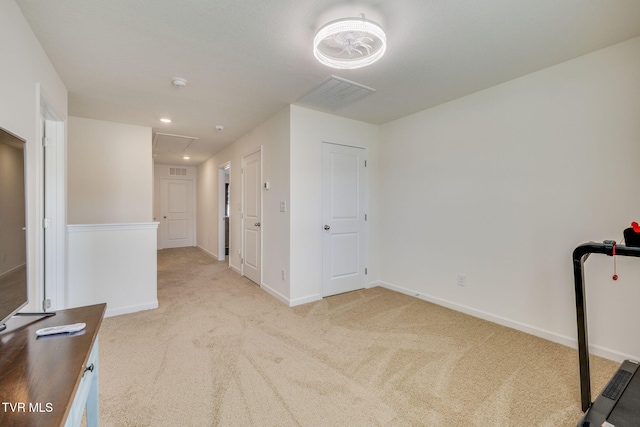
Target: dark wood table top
39	376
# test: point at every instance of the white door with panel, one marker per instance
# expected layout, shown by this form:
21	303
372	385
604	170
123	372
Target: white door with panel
251	216
176	206
344	218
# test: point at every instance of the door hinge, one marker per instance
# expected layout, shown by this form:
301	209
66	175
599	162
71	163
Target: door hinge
366	271
46	304
46	141
46	223
365	217
365	163
241	260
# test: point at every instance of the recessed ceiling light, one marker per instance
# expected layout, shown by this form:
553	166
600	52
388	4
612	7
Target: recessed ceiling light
186	157
179	82
164	120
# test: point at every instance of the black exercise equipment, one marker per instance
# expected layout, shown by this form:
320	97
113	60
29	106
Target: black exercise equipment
619	402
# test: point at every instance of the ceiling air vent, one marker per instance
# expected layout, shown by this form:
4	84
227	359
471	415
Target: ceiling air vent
335	93
177	171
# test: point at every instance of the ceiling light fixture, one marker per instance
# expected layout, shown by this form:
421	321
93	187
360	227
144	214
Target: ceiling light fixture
349	43
179	82
163	120
186	157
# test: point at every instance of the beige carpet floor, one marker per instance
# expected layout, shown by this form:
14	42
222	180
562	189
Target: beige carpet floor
219	351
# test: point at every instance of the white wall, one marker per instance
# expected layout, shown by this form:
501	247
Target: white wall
27	76
112	240
273	137
207	217
110	172
503	184
309	129
113	263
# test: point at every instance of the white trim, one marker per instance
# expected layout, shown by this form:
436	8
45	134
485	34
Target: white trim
346	144
532	330
54	209
305	300
79	228
50	181
131	309
208	253
275	293
236	269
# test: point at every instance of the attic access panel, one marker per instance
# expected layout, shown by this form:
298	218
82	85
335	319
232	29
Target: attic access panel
168	143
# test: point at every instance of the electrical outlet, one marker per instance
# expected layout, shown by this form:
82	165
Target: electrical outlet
462	279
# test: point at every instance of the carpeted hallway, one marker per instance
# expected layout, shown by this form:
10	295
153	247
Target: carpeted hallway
220	351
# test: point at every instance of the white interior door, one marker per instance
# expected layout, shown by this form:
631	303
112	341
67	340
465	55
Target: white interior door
251	216
176	206
53	214
345	231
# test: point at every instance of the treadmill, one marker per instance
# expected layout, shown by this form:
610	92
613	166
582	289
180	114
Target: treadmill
618	405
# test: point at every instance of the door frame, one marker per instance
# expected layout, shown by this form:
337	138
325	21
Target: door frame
50	250
242	234
366	208
223	169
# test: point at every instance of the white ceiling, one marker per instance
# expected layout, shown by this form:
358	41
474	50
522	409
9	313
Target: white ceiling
245	60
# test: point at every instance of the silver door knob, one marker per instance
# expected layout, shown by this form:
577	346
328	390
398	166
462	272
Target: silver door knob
257	224
327	227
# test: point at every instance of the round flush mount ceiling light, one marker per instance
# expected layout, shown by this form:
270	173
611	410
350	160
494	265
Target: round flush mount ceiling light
349	43
179	82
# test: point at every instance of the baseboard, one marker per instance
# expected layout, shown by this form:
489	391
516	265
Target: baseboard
305	300
268	289
538	332
287	301
236	269
208	252
131	309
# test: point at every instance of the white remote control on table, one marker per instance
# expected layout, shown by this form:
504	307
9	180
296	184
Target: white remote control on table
62	329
